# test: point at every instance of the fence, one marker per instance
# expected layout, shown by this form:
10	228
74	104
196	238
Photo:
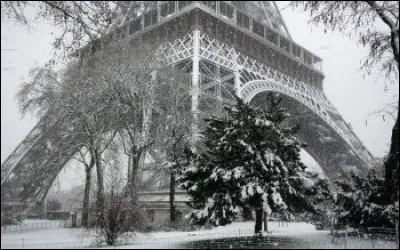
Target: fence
54	245
29	226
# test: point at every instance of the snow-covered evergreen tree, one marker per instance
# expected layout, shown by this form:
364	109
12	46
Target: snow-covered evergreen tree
249	160
361	203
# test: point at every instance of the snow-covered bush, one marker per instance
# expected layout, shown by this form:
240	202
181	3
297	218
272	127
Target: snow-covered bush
121	217
361	203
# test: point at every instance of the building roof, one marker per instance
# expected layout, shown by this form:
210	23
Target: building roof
162	196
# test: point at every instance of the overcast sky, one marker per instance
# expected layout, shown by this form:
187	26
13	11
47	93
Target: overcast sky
355	97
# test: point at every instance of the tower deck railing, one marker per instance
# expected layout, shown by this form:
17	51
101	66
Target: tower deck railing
166	10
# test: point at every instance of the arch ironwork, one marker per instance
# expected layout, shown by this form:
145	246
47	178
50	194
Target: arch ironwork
199	49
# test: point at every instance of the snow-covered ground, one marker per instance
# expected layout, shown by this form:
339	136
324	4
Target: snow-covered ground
79	238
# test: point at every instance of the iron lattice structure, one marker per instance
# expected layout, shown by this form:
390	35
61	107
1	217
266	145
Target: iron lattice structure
227	53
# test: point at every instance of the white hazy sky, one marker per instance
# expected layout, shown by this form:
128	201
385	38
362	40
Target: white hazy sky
355	97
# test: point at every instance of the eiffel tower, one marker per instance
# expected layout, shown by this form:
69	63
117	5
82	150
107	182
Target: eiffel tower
229	48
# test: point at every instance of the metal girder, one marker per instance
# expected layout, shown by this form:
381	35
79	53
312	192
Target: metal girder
258	86
178	50
18	154
258	77
250	78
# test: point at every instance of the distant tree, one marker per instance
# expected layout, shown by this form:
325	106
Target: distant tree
250	160
54	205
361	18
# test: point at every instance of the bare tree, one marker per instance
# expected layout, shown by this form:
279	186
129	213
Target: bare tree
175	125
81	111
361	18
121	217
109	93
132	89
116	220
142	92
79	21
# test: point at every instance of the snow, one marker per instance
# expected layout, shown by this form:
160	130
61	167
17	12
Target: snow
242	142
211	203
34	225
259	190
203	213
267	123
193	188
79	238
277	199
193	170
311	163
227	176
213	176
237	172
243	194
65	236
250	149
250	190
269	157
307	183
54	238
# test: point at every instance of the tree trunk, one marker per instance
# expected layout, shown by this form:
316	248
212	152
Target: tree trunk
100	188
172	181
172	184
259	218
392	162
86	197
265	222
128	184
392	166
85	209
246	214
134	172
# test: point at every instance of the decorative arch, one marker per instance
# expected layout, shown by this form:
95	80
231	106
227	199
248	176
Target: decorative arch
250	89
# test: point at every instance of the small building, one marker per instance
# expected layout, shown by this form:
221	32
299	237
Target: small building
58	215
157	207
76	216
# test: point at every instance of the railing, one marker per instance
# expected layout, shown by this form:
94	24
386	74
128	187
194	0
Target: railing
166	10
24	244
281	42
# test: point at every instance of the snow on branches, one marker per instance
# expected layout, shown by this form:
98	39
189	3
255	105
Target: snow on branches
361	203
249	158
